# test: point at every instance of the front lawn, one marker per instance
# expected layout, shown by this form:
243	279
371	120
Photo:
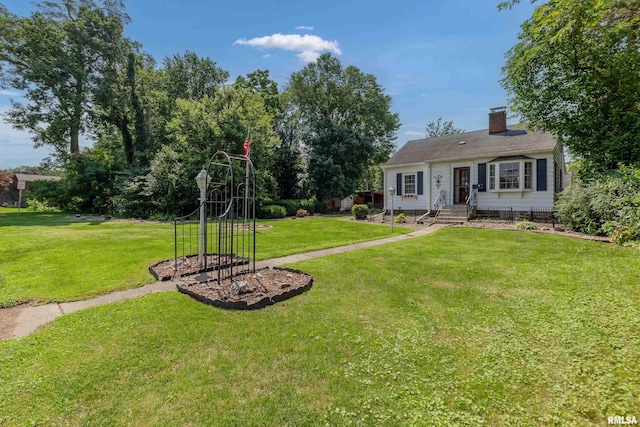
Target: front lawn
46	257
462	327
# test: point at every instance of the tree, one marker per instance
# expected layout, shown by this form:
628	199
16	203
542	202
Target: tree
347	124
440	128
120	105
260	83
56	56
575	73
191	77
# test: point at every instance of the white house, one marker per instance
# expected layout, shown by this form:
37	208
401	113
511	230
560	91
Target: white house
498	169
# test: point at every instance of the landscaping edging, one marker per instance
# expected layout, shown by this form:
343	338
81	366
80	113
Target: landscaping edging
218	295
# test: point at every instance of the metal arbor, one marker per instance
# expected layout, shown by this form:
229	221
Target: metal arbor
218	239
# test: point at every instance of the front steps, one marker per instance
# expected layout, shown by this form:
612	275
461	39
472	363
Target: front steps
455	214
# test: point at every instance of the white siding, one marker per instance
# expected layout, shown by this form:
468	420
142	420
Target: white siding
403	202
518	200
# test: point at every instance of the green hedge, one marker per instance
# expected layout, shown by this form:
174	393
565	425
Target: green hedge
608	205
294	205
271	211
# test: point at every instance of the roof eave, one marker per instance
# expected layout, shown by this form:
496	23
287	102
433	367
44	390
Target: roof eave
404	164
462	159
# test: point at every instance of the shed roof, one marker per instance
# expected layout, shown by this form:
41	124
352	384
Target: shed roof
470	145
26	177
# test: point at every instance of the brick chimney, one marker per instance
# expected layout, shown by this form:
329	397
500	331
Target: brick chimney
497	120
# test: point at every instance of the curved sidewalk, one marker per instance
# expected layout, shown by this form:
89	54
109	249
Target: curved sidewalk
22	321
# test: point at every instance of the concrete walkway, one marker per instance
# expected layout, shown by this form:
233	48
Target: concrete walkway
22	321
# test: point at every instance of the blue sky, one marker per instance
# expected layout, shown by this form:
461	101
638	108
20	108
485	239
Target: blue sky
434	58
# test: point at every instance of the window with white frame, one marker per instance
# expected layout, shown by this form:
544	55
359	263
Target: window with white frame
511	175
492	177
410	184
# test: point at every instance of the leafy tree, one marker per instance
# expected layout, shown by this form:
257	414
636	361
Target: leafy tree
347	124
440	128
191	77
260	83
574	72
121	106
288	162
197	129
57	56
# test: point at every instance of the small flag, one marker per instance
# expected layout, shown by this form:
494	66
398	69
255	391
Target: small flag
247	147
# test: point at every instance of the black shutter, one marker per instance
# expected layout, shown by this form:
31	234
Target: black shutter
420	183
482	177
399	184
541	174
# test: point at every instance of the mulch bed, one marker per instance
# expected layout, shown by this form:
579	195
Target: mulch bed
542	228
250	291
188	265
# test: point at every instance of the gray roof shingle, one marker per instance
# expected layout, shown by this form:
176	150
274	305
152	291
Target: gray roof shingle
477	144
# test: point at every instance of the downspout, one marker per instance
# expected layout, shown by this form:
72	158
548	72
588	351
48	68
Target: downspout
384	189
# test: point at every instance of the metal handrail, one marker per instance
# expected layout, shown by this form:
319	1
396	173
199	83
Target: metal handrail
439	203
472	202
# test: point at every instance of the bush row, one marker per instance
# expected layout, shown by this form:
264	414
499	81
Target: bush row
608	205
292	206
271	212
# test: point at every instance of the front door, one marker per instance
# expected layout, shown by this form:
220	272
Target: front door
461	177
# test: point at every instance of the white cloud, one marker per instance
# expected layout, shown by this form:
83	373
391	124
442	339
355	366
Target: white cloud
4	92
413	133
308	46
304	27
266	55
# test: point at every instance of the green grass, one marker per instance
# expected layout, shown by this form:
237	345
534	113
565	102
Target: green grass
45	257
462	327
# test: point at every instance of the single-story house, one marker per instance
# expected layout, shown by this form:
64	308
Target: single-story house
500	168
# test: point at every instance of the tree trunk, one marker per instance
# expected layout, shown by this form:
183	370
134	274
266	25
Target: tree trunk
74	144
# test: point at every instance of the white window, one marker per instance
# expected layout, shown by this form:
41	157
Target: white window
528	175
492	177
511	175
410	184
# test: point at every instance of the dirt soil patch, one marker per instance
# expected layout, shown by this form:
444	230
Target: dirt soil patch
8	321
188	265
250	291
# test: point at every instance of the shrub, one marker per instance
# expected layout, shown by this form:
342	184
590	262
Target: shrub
400	218
526	225
609	205
319	206
309	205
271	211
301	213
360	211
290	206
35	205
